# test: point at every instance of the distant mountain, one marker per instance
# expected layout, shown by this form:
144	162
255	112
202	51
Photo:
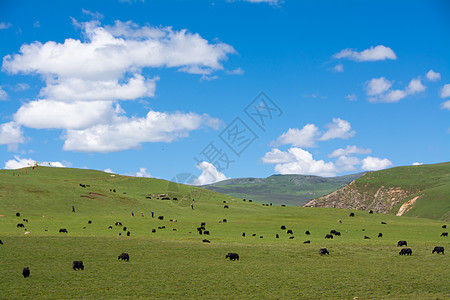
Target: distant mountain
420	191
282	189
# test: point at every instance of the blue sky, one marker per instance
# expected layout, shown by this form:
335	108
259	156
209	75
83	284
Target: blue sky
224	89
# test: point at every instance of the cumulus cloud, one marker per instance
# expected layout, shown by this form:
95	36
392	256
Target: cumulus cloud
11	134
310	133
349	150
3	94
377	86
417	163
126	133
374	163
379	52
347	163
379	90
304	137
86	79
4	25
445	92
339	68
108	170
446	105
143	173
209	174
18	163
433	76
298	161
339	129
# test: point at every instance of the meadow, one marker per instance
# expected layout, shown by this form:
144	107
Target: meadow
176	264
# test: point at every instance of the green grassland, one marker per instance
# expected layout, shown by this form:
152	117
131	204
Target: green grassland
172	264
282	189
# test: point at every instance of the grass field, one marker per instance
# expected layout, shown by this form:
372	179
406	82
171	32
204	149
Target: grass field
176	264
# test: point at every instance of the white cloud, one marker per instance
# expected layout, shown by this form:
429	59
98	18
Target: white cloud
417	163
349	150
377	86
433	76
446	105
339	129
339	68
143	173
347	163
85	80
298	161
125	133
108	170
445	92
18	163
3	94
237	71
415	86
11	134
55	114
379	90
379	52
209	174
304	137
374	163
76	89
4	25
22	87
351	97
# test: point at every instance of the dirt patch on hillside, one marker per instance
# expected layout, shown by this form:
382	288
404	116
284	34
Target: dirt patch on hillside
407	205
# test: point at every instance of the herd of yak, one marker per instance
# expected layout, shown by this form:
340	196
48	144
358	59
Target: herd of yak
78	265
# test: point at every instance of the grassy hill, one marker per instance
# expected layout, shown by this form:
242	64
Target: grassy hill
176	264
282	189
417	191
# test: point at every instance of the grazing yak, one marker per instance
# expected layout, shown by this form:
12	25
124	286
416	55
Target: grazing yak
277	236
1	243
224	220
63	230
405	251
124	228
444	226
444	234
352	214
25	220
153	230
206	232
291	237
89	222
77	265
307	232
20	225
384	223
324	251
366	237
206	241
109	227
289	231
370	211
232	256
26	272
283	227
243	234
128	233
118	224
380	235
225	206
203	224
329	236
307	242
438	250
402	243
124	256
161	218
17	214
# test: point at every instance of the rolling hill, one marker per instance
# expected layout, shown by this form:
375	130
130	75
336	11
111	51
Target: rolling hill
169	260
293	190
417	191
